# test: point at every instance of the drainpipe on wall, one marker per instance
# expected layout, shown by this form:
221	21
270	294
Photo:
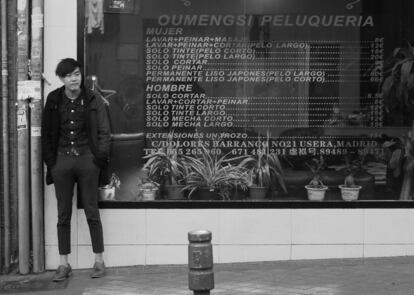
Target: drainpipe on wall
35	142
5	138
23	139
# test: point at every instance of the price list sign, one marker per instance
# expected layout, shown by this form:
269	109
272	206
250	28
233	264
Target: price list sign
310	82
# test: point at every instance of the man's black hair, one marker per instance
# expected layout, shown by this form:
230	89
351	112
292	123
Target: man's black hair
66	66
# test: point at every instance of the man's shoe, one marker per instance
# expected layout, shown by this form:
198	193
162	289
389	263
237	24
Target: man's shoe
62	273
98	270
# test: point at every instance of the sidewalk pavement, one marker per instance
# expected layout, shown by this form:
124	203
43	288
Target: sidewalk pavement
317	277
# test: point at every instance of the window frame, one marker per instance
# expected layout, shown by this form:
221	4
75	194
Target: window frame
227	204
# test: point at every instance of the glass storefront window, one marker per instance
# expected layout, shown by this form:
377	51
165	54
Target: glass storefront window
296	99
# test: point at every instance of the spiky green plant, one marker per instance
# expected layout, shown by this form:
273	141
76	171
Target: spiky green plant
316	165
214	172
166	163
352	167
264	167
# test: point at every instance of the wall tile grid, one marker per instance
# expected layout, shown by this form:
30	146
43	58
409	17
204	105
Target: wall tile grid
389	226
151	236
166	227
258	227
388	232
321	226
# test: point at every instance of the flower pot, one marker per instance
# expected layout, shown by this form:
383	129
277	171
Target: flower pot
106	193
316	193
149	194
350	193
258	192
148	191
175	191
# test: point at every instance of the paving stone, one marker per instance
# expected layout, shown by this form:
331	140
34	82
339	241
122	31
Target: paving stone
385	276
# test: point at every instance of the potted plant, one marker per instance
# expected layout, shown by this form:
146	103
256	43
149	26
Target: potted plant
263	169
149	190
147	187
212	176
349	190
107	192
316	189
166	165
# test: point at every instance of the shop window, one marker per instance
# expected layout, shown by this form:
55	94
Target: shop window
319	91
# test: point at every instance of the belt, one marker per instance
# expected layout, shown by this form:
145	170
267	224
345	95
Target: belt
73	152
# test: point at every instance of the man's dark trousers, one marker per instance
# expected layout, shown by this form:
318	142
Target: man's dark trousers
71	169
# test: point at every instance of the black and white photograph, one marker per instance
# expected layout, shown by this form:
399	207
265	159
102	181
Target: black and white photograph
207	147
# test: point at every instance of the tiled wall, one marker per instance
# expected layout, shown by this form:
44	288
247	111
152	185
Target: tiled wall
138	236
150	236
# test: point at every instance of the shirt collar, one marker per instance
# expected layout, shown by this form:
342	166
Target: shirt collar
76	101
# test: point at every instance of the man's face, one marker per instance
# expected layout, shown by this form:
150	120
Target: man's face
72	81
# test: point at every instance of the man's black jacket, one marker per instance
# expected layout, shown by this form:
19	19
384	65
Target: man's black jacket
97	128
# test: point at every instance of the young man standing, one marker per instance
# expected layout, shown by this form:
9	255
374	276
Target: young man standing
75	146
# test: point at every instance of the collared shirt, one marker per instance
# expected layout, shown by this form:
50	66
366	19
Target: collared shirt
73	137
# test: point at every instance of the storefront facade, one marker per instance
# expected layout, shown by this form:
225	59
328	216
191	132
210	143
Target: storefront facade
310	87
